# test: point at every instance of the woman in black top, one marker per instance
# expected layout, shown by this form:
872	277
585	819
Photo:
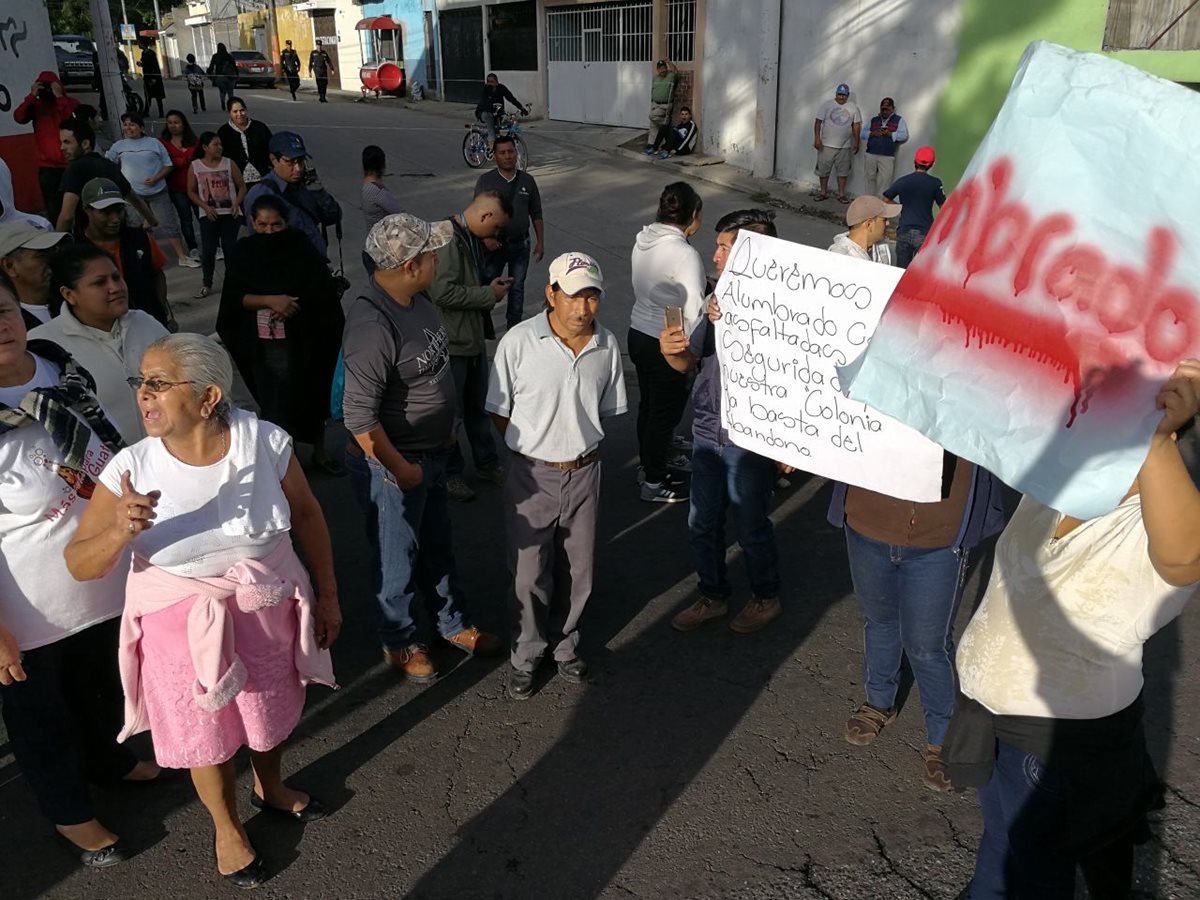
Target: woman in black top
222	68
281	320
245	141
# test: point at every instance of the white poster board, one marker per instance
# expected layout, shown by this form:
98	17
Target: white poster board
790	315
25	50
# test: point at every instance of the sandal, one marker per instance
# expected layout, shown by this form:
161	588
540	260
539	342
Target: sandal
818	196
842	198
202	293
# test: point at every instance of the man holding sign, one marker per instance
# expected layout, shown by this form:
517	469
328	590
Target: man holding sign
722	472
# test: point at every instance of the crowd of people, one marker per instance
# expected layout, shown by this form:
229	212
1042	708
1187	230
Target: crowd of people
151	579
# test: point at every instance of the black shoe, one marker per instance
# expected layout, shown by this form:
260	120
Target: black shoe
100	859
573	670
520	685
312	811
249	877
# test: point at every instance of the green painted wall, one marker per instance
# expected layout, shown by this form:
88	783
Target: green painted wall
993	36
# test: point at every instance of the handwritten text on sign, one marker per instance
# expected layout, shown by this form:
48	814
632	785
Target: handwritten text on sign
790	315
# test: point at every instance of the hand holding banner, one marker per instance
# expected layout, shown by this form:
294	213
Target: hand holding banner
1056	291
790	315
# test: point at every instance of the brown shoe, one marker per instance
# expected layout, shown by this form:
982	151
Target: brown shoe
934	777
866	722
474	642
698	613
413	661
757	614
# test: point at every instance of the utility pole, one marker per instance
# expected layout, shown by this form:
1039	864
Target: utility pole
124	20
106	54
275	51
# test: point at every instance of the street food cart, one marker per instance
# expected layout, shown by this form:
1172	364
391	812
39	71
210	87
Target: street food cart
380	40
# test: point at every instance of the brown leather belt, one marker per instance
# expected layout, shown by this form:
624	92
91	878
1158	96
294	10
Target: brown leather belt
570	466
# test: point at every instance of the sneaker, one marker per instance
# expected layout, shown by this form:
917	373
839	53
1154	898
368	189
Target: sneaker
220	253
186	262
756	615
866	722
474	642
934	776
680	463
663	492
495	476
679	442
459	490
194	253
649	151
698	613
666	154
413	661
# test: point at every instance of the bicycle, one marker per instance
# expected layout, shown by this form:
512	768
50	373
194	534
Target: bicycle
476	150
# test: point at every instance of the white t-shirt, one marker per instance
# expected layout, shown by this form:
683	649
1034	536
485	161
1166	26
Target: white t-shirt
211	517
837	122
40	602
1060	631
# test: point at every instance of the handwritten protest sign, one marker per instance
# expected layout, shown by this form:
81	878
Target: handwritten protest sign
790	315
1058	288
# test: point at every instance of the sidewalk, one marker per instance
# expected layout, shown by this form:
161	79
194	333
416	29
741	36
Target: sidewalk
614	140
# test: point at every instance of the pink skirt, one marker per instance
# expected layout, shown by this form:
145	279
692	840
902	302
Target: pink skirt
260	717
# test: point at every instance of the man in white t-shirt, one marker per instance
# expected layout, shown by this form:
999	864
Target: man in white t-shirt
25	259
835	135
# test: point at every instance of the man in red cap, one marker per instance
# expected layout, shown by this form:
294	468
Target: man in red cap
917	191
46	106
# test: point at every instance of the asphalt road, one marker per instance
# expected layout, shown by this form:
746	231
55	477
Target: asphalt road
702	766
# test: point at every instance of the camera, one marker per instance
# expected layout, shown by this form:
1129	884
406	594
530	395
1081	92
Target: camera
44	92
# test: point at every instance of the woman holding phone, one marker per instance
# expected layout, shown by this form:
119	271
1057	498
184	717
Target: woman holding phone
669	289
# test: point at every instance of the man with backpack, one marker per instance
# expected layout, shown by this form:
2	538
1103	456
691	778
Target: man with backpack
399	404
311	209
194	76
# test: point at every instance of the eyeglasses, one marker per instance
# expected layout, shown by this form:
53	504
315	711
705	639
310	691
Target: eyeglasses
291	163
153	385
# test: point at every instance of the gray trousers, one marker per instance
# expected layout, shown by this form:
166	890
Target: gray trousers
660	115
551	524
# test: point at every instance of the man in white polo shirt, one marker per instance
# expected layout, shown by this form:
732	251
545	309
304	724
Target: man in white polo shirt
553	379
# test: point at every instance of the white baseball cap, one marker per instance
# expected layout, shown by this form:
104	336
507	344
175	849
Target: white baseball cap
574	272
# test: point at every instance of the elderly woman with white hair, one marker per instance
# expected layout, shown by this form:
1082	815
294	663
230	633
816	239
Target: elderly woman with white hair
221	629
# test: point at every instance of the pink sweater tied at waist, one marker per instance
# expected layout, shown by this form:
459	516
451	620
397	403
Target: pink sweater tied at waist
220	675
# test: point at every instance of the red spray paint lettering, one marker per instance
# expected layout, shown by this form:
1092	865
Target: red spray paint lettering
1034	287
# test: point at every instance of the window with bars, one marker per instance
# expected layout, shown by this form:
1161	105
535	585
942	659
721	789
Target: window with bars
601	32
681	30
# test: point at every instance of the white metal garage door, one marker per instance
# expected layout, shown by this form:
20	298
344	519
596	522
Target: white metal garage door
600	62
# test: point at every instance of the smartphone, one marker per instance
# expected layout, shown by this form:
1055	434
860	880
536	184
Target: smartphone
673	315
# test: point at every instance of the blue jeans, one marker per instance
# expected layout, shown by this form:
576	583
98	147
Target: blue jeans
414	549
909	597
471	385
1023	819
515	256
187	216
908	242
721	476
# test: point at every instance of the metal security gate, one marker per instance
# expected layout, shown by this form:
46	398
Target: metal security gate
462	53
599	58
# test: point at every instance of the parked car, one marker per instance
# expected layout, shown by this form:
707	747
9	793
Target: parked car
74	55
253	68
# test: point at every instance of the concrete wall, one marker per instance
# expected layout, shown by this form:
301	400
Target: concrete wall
947	63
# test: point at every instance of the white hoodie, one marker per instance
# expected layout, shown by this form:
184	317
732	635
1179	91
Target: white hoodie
667	271
8	209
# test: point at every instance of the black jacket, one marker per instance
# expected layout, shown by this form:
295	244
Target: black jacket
258	137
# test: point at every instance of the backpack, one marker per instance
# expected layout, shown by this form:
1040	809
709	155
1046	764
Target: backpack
195	80
337	390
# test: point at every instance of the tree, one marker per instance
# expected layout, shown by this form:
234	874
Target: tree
74	16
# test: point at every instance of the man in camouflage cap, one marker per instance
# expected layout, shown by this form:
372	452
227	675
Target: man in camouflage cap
399	403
